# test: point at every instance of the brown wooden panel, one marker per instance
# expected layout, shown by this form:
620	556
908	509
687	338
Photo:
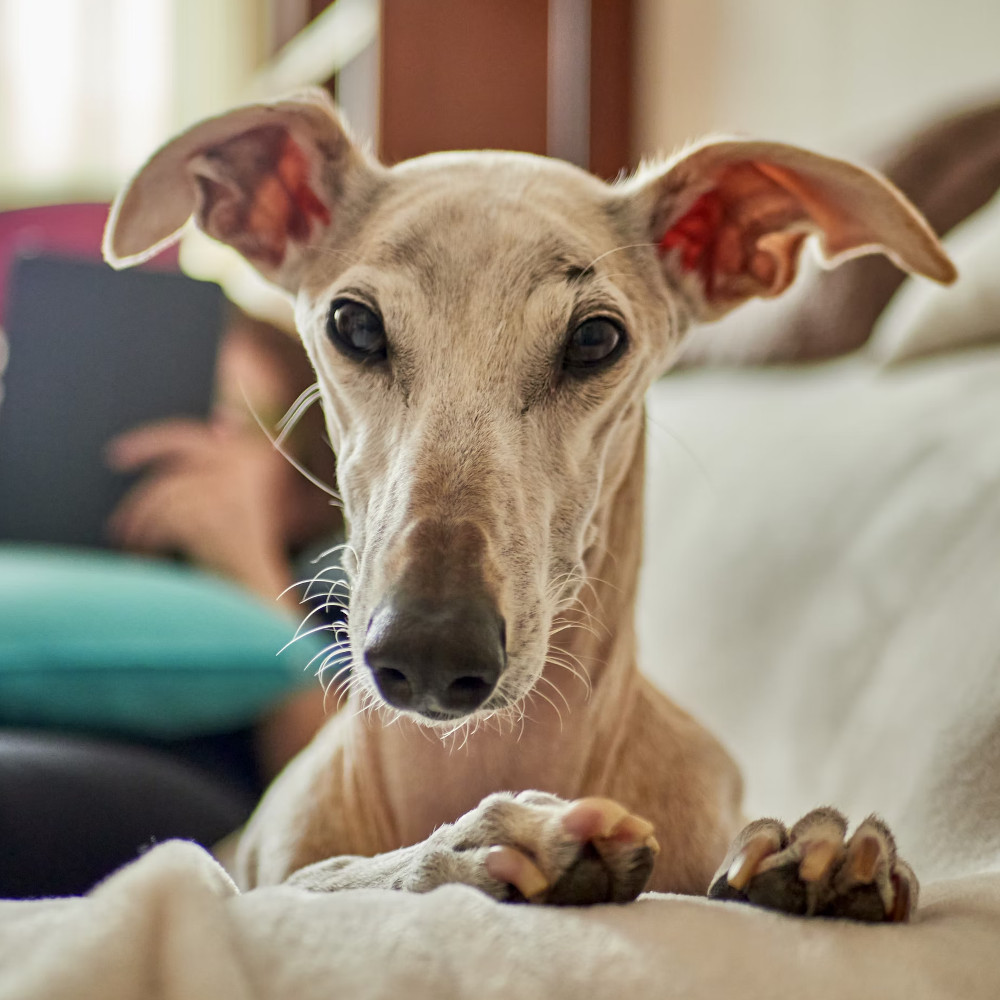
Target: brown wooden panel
462	74
611	68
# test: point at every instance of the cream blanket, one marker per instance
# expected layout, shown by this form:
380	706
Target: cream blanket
172	927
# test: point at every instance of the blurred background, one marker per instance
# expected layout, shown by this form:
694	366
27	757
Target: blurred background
89	87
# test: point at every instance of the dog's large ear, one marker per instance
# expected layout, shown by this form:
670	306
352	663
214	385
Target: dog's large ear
266	179
729	219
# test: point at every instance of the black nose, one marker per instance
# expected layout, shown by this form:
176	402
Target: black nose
441	660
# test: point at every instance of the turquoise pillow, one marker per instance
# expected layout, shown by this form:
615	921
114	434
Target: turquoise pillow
112	643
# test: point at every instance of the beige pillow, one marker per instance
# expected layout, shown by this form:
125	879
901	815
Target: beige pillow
924	318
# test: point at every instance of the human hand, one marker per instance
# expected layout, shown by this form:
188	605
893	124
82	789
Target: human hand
214	493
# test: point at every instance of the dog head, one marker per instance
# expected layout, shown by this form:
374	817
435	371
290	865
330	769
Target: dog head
483	328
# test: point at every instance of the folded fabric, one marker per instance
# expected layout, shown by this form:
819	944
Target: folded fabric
109	643
172	925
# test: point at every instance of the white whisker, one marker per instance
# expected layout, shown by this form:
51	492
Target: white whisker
291	459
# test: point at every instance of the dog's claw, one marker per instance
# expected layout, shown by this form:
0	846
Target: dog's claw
506	864
632	829
864	854
903	901
593	818
745	864
817	860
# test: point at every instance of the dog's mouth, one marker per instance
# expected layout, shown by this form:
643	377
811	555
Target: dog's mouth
435	719
433	716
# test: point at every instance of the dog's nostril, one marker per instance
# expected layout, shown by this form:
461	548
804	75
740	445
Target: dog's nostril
503	634
394	685
466	693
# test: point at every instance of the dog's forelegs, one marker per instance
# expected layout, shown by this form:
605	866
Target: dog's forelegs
530	847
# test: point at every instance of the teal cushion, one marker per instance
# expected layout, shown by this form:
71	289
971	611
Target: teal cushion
112	643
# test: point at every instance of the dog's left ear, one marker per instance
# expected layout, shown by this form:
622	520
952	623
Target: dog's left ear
729	219
268	179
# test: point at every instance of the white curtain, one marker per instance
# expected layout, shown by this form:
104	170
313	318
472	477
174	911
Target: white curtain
88	88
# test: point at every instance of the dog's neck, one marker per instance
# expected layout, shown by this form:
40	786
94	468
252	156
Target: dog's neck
572	721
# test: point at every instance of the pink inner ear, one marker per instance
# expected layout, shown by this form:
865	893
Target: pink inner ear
293	171
741	238
266	198
283	205
697	235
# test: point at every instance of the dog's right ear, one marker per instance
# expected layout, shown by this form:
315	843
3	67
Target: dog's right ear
267	179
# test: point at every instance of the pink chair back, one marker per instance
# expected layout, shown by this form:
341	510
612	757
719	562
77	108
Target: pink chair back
73	230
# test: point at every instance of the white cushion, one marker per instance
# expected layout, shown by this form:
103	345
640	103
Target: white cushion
822	587
924	317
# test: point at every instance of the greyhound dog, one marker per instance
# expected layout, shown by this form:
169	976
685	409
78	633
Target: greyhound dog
484	327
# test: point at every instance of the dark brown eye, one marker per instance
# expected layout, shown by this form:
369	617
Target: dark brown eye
357	331
595	343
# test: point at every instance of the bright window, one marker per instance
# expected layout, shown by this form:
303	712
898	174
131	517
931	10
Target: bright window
85	90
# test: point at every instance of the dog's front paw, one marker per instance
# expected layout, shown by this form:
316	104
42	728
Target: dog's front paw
543	849
815	870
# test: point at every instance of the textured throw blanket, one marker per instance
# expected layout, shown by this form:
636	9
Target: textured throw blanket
171	926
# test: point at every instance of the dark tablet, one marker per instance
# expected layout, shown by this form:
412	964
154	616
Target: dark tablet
93	352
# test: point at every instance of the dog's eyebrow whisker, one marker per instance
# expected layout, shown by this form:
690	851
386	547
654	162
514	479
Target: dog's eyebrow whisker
608	253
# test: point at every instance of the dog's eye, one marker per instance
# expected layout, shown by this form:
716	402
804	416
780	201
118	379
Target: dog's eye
595	343
356	331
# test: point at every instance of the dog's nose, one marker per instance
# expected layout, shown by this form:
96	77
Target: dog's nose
441	660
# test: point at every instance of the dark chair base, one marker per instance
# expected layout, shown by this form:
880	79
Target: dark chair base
74	809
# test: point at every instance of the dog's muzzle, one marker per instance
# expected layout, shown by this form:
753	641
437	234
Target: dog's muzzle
441	660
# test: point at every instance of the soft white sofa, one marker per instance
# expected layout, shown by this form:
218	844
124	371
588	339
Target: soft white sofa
822	587
823	566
